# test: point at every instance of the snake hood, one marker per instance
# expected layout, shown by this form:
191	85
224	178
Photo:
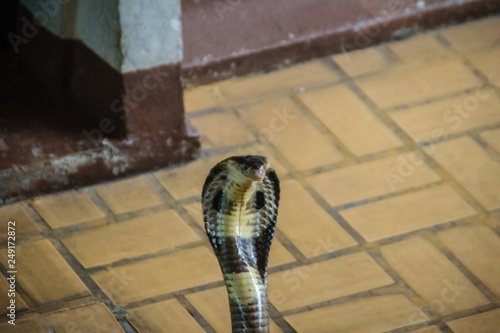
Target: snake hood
240	205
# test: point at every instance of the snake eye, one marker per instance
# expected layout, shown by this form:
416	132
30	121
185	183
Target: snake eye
247	171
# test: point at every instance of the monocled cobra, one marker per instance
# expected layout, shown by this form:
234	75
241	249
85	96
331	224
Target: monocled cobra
240	205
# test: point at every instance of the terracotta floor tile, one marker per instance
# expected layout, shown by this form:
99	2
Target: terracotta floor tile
371	179
478	248
143	235
24	224
167	316
350	120
160	275
5	299
369	315
361	61
222	129
195	210
95	318
486	322
279	255
475	35
281	123
313	73
202	97
28	323
453	115
487	62
326	280
213	305
420	48
405	84
128	195
312	239
430	329
61	210
479	174
187	180
205	142
436	279
43	273
493	138
407	212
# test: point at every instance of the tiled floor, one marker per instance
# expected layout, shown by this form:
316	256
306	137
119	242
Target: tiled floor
389	221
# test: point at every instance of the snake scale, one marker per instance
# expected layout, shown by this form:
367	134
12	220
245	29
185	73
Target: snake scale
240	205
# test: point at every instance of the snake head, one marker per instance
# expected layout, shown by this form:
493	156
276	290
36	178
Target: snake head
253	167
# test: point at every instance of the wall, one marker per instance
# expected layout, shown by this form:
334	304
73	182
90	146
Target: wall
116	66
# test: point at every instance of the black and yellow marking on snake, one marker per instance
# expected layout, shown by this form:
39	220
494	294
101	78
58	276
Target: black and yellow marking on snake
240	205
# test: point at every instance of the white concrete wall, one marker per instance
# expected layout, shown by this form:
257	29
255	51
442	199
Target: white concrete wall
97	25
128	34
151	33
51	10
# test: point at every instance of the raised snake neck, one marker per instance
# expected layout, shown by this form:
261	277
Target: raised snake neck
240	217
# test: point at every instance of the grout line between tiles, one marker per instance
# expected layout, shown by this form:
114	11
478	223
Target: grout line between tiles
463	268
92	286
443	173
195	314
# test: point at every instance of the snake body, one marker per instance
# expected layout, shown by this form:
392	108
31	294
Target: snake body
240	205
